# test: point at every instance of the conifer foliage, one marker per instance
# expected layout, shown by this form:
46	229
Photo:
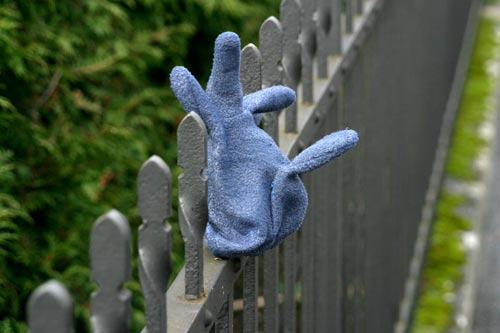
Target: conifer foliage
83	102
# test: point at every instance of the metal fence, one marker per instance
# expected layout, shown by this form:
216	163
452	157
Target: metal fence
389	69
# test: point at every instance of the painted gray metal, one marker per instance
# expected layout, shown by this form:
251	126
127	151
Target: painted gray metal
326	89
344	271
335	35
289	284
270	40
323	19
308	41
307	244
200	298
155	187
251	69
290	17
349	16
50	309
224	321
328	238
110	256
251	296
193	211
271	45
200	315
359	7
251	80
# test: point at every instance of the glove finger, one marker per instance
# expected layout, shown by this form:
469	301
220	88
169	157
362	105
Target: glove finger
323	151
192	96
270	99
224	86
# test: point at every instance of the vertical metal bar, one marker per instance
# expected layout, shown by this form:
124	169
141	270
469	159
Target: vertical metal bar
224	322
333	246
398	158
342	233
110	256
307	264
360	190
155	186
379	314
349	16
392	159
348	219
354	118
193	212
250	296
320	204
290	268
308	41
271	48
50	309
251	79
407	126
271	274
270	41
251	69
322	201
335	35
360	7
323	29
290	16
353	193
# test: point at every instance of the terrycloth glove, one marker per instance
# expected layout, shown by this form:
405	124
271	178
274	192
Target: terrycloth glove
255	195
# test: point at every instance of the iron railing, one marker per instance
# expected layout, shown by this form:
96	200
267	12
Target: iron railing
383	67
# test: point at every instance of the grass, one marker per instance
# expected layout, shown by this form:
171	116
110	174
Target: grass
443	267
466	143
446	255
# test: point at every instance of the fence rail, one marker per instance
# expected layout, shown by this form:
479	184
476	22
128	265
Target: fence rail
382	67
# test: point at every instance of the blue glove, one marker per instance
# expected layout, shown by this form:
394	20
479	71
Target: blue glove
255	195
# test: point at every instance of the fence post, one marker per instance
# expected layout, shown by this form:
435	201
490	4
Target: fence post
271	48
290	16
251	79
360	7
324	27
110	256
193	212
308	41
335	36
50	309
349	16
155	188
271	39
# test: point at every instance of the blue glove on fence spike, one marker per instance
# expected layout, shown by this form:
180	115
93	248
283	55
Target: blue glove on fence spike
255	195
